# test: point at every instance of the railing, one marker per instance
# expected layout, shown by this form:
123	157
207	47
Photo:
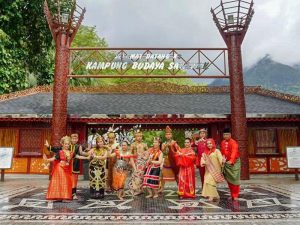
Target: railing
148	63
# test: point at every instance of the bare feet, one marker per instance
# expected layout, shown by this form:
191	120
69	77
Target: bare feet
75	197
216	199
155	196
210	199
149	196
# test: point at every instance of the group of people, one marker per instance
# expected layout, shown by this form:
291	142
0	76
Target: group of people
114	164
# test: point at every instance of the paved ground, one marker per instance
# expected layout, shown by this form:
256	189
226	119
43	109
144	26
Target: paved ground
265	199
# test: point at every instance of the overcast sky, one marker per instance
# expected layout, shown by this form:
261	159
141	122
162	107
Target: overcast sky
274	30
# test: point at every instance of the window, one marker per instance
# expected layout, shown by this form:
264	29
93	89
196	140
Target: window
266	141
31	142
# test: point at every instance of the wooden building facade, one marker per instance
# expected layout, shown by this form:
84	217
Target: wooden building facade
273	118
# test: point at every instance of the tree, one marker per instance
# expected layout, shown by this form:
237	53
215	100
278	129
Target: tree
86	37
27	48
28	42
11	69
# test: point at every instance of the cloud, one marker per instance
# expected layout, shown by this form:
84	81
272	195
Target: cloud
188	23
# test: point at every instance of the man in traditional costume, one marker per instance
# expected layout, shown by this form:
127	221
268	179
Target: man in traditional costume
170	169
185	160
232	167
201	146
112	145
139	163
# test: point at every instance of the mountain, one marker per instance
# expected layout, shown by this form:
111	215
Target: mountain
271	75
297	66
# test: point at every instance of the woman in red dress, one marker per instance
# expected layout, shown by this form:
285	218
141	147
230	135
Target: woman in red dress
185	159
60	187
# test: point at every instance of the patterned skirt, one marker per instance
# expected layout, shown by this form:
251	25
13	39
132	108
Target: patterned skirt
110	163
136	181
97	175
167	171
120	173
151	177
60	186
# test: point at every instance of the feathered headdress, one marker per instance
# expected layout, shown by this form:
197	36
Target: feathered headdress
111	133
126	136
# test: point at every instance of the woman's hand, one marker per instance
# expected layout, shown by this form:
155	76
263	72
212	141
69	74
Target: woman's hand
45	157
223	160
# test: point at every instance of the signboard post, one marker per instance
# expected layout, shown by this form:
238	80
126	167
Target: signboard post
293	159
6	157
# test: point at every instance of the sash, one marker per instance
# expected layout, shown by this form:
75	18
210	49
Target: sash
232	173
217	175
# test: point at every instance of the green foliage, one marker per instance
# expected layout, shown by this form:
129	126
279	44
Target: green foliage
28	46
27	51
87	37
178	135
149	135
12	72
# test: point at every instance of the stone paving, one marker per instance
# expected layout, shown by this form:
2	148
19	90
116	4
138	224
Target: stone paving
267	199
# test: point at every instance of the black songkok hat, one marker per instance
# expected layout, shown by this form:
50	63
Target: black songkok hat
226	130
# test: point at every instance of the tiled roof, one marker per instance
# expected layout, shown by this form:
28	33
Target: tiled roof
87	104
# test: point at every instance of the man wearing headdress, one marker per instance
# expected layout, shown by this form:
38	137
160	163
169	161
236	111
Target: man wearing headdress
232	167
138	146
201	146
170	169
112	145
139	163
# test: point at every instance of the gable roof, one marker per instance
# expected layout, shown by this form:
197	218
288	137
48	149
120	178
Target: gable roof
189	102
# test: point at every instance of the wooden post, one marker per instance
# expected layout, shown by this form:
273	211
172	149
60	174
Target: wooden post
2	175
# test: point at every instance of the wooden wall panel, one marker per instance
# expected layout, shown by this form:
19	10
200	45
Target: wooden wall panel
250	141
286	137
38	166
9	138
258	165
19	166
279	165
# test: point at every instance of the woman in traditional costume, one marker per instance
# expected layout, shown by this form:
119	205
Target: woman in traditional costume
139	159
185	159
97	169
121	169
213	161
60	187
152	175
